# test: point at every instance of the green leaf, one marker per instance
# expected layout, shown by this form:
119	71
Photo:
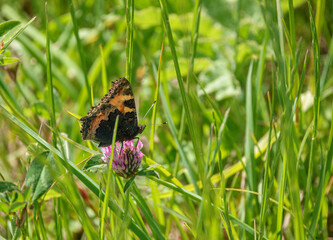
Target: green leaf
4	208
219	81
95	163
40	174
8	60
8	187
128	183
151	173
5	27
26	194
52	194
17	206
9	38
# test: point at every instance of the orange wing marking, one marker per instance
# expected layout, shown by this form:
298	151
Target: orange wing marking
118	102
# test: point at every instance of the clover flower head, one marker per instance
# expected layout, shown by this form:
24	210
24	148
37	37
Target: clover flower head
126	157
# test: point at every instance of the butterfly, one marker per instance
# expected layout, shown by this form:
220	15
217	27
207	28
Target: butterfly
98	124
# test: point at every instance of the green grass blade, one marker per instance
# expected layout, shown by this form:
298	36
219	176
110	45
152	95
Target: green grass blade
6	26
264	207
292	27
129	39
177	189
327	66
17	33
173	130
320	16
324	178
81	53
49	77
249	145
156	100
104	74
147	213
196	146
245	227
217	148
107	190
316	106
210	100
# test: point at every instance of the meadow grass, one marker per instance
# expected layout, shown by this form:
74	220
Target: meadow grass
244	86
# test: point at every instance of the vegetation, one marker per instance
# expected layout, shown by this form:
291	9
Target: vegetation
245	87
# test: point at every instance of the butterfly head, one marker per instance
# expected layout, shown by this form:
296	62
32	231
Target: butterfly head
141	128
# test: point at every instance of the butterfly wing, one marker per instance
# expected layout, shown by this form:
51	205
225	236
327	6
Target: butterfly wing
99	123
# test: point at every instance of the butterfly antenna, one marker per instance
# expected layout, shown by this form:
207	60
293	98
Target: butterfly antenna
148	110
157	124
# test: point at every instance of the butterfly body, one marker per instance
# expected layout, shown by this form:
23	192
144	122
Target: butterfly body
99	123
